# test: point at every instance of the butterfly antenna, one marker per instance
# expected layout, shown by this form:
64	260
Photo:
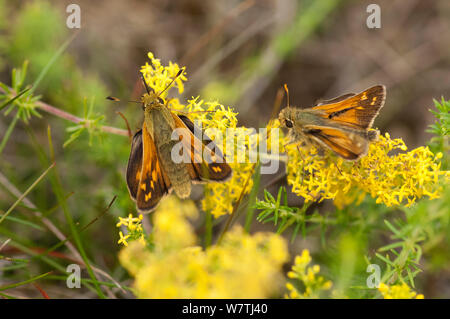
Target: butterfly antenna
287	94
145	84
171	82
115	99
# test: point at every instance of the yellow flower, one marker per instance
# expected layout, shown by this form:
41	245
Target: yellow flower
242	266
158	77
306	275
122	221
171	228
401	291
134	227
129	221
393	179
123	239
304	258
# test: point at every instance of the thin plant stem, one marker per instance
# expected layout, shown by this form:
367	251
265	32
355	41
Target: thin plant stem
208	229
26	193
53	59
236	206
72	118
8	132
24	282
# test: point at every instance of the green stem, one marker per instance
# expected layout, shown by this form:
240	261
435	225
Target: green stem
208	229
47	67
68	116
26	193
235	207
8	132
24	282
252	198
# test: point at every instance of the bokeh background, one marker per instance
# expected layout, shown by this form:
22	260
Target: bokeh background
238	52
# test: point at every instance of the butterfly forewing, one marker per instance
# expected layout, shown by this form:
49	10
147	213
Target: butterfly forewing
335	100
153	182
207	161
135	165
356	111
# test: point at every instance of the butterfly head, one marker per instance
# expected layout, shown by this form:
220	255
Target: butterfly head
151	100
286	117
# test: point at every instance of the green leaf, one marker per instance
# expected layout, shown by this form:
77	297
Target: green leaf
2	288
14	98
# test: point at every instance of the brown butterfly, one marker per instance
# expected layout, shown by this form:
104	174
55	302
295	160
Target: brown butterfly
341	124
151	172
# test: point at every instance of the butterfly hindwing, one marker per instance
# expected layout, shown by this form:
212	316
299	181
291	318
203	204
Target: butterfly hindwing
153	182
214	168
356	111
351	145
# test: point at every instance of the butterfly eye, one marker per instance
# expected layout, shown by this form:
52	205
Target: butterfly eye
160	100
288	123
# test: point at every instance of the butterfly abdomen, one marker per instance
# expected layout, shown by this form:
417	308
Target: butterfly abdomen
373	135
177	172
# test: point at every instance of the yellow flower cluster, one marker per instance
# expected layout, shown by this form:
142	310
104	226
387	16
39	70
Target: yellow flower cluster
387	173
220	197
242	266
134	227
172	229
402	291
158	77
214	118
306	275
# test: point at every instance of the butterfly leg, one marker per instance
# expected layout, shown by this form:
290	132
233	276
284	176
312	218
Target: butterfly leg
300	153
130	135
299	140
168	101
333	160
335	164
292	139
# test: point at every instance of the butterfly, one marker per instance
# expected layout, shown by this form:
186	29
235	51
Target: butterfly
342	124
152	171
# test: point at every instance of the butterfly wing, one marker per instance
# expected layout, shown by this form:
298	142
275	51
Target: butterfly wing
200	169
348	144
153	182
335	100
134	165
357	111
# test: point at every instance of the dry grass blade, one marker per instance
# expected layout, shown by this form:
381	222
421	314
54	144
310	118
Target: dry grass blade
26	193
236	206
47	222
5	243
